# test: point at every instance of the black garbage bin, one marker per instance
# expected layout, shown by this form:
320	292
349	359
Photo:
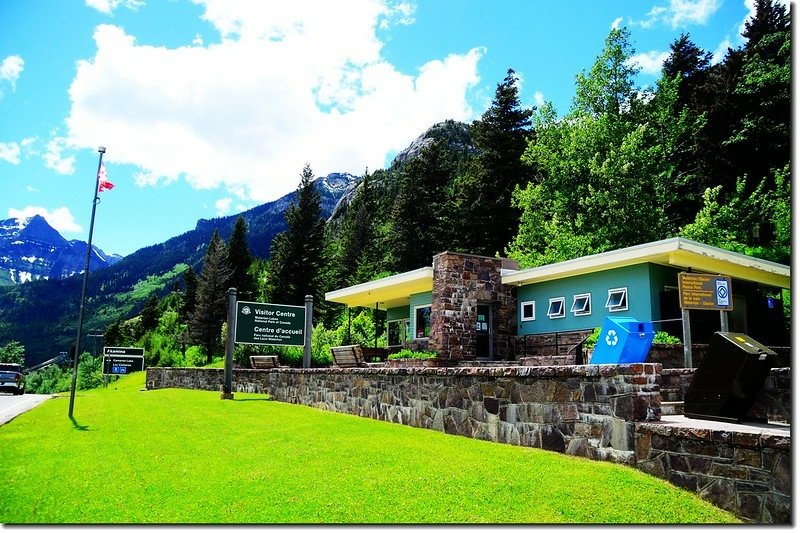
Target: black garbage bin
729	378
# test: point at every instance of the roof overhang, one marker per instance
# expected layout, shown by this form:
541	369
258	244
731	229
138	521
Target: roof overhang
676	252
392	291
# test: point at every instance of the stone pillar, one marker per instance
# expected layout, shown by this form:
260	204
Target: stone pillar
460	283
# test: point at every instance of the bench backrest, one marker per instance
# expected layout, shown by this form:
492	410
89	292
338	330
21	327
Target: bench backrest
347	356
263	361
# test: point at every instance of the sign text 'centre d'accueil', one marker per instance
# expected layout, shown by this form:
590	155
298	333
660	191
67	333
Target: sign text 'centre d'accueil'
273	324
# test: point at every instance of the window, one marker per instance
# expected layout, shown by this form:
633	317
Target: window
528	311
556	308
422	322
581	305
397	332
617	299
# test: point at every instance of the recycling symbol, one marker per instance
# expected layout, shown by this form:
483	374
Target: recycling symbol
611	337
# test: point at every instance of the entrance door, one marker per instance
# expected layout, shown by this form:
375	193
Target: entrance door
483	330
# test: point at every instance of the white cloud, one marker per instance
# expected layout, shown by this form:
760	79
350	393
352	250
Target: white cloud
9	152
719	53
681	13
649	62
10	70
60	218
223	206
289	83
53	158
538	98
616	23
108	6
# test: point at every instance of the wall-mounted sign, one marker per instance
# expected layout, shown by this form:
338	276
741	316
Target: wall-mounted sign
273	324
705	291
122	360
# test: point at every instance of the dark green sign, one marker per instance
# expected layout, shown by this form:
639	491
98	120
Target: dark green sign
122	360
273	324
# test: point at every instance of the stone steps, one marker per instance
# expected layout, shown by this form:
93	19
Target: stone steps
671	408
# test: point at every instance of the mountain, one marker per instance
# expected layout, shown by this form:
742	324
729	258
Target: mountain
42	314
30	249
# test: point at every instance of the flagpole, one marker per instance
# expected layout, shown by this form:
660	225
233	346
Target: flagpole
96	199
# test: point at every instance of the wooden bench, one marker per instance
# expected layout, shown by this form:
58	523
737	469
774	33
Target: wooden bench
264	361
355	355
347	356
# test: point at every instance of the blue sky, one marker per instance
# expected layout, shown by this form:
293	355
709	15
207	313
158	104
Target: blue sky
211	107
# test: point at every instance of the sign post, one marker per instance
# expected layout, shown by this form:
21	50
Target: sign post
307	335
705	292
122	360
227	393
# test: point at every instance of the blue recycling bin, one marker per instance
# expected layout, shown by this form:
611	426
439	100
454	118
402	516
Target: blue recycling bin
623	340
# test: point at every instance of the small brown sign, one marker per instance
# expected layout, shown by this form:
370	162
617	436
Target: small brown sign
705	291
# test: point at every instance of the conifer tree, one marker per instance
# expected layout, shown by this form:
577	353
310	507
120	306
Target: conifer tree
149	315
483	207
296	256
205	324
240	261
418	227
190	282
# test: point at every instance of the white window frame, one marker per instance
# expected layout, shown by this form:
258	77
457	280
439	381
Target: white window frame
522	305
587	308
563	313
414	331
624	298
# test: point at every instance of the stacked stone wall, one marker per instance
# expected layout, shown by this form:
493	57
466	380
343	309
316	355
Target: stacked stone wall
587	411
746	473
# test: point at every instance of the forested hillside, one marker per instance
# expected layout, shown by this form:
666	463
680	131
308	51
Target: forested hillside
703	154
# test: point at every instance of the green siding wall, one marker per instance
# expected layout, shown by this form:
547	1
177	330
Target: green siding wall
635	277
422	298
398	313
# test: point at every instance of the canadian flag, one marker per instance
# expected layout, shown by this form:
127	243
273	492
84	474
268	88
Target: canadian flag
105	185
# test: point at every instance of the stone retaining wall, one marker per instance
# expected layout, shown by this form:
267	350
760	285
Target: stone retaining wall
748	474
587	411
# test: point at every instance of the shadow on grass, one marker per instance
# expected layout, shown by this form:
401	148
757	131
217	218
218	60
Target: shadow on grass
78	426
267	399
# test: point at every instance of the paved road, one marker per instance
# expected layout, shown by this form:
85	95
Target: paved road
11	406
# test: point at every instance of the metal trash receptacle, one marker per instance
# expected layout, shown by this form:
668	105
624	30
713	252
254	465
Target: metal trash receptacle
729	379
623	340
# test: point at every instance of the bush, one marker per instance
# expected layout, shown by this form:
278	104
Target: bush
407	353
90	372
662	337
195	356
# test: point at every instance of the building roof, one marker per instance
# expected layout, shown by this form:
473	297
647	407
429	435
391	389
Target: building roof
392	291
675	252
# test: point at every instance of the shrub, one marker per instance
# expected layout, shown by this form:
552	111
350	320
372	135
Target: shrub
662	337
407	353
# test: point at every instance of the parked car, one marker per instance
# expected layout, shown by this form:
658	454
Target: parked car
11	378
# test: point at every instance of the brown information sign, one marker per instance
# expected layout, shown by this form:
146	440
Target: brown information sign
705	291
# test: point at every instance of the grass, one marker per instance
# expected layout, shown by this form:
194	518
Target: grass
185	456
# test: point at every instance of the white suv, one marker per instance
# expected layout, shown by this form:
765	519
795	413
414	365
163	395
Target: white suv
11	378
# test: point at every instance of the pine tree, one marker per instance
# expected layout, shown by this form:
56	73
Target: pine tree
418	226
190	282
297	254
356	258
240	261
483	194
205	324
149	315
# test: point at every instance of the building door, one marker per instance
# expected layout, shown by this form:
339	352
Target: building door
483	330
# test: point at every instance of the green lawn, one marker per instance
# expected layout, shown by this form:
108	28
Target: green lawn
184	456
